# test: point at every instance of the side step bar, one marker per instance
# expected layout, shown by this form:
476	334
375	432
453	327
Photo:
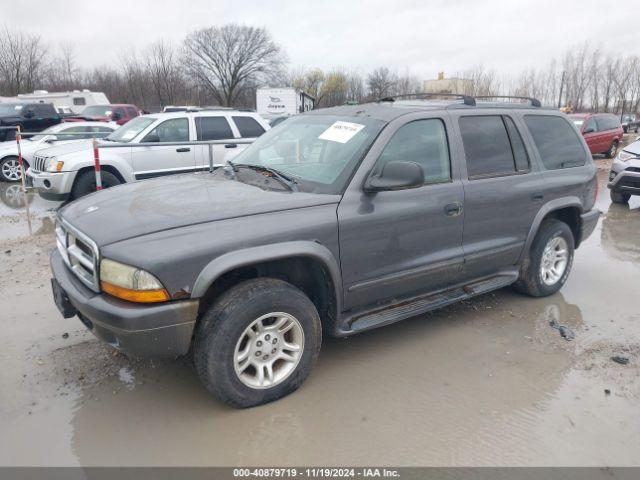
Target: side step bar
418	305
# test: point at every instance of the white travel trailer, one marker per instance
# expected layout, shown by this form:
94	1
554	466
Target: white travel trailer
76	100
275	102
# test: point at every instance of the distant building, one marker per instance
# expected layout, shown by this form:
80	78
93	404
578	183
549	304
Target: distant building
447	85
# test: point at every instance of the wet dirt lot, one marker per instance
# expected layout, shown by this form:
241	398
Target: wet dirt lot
485	382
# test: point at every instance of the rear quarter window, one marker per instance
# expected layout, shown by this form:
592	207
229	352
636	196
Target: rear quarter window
213	128
248	127
556	141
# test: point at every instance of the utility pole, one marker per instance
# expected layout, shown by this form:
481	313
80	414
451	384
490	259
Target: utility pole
561	88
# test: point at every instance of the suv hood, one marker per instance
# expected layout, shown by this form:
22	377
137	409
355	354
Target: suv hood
149	206
70	146
633	147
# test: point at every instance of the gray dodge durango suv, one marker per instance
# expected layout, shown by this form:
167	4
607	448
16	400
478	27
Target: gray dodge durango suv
338	221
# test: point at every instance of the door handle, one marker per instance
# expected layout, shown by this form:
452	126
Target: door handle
182	150
231	145
537	197
453	209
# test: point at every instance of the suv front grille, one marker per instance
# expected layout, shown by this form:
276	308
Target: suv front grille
80	254
39	163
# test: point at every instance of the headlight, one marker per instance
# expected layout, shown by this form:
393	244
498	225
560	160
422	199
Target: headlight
130	283
53	165
626	156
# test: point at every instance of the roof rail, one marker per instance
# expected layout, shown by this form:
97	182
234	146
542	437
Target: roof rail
534	101
466	99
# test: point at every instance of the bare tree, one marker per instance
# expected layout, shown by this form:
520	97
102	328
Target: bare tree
21	61
227	59
381	82
163	68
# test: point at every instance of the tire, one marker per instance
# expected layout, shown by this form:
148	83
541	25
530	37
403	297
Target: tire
218	342
613	149
625	129
86	183
10	169
533	281
619	197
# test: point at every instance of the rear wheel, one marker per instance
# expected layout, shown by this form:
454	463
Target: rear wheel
86	183
619	197
613	149
257	342
549	261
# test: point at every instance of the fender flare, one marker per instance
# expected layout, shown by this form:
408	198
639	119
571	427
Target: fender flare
546	209
248	256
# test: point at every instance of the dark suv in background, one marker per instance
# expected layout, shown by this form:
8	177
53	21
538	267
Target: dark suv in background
340	220
32	117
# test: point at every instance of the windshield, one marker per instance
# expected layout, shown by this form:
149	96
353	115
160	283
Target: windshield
129	130
97	111
10	109
319	151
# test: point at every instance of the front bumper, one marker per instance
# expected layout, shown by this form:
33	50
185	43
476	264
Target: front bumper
52	186
146	330
625	177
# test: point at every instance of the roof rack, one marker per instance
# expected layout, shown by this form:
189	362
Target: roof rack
534	101
466	99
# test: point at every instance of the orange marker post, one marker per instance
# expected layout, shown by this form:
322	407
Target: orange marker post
96	164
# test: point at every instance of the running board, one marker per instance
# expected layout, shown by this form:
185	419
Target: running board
423	303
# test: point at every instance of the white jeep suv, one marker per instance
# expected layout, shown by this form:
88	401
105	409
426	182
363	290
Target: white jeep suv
67	171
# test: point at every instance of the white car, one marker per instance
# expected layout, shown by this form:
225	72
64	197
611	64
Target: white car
9	167
67	171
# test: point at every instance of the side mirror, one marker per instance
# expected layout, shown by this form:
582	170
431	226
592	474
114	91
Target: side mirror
396	176
151	138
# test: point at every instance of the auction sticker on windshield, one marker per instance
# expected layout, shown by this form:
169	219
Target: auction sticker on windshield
341	132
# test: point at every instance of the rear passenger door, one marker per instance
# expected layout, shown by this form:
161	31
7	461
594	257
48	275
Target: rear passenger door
214	128
502	192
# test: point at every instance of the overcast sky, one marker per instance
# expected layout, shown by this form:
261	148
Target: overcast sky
422	36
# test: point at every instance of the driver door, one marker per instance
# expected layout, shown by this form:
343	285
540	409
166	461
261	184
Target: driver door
396	244
158	160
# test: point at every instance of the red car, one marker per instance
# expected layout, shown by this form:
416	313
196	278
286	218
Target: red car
602	131
119	113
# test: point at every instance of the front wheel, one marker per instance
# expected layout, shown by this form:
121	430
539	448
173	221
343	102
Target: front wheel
257	342
10	169
613	149
86	183
619	197
549	261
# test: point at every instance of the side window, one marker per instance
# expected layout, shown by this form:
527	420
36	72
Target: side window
174	130
591	126
131	112
74	130
556	141
603	124
213	128
43	110
486	146
248	127
423	142
79	101
519	151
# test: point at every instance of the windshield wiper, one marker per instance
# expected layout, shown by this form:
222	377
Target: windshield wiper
283	178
